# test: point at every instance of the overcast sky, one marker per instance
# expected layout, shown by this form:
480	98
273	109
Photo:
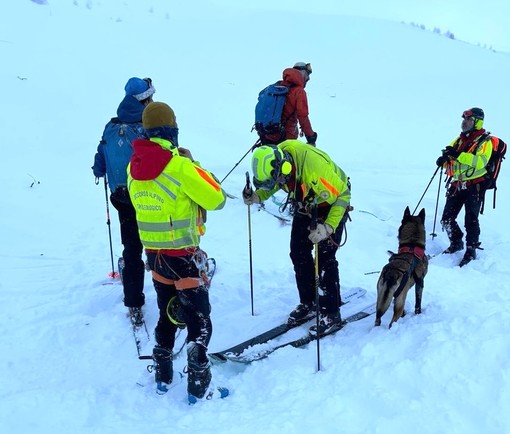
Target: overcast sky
484	23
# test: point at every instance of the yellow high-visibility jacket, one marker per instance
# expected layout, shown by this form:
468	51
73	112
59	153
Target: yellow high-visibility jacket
169	193
475	154
314	170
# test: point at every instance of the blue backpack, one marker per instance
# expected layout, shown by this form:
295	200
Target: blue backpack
268	111
117	148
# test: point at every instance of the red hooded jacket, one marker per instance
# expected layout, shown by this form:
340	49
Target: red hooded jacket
296	105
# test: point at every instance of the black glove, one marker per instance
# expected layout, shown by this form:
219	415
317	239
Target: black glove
311	139
442	160
451	152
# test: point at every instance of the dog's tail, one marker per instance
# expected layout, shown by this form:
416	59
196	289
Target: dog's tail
386	285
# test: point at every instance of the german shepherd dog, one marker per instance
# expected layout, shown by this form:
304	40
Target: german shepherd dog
406	268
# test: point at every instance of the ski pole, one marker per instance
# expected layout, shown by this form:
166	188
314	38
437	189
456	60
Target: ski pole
433	234
249	190
113	275
257	143
313	225
430	182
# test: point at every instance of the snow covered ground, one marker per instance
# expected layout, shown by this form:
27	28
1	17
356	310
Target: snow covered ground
384	97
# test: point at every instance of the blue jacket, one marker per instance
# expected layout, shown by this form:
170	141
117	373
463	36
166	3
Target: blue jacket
114	150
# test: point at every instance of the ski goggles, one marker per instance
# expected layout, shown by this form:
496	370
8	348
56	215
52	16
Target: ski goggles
307	68
470	114
270	183
267	184
148	93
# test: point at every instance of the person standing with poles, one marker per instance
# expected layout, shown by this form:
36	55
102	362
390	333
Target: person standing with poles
111	161
465	160
308	175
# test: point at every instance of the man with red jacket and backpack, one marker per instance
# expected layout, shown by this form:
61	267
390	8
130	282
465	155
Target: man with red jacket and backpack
465	160
296	106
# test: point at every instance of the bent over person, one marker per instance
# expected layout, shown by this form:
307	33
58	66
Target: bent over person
170	192
310	178
465	160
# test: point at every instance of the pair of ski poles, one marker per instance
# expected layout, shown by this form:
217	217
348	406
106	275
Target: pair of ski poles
433	234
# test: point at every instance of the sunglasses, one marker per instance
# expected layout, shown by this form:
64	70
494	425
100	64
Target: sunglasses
148	81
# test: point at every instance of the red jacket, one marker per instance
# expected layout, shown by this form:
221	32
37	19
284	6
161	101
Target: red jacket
296	105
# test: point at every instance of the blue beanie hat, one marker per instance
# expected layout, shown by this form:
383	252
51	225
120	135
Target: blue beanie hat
140	89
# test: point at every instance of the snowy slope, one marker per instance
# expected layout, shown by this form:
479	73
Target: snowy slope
384	97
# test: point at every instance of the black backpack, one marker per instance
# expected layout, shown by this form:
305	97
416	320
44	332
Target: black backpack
493	168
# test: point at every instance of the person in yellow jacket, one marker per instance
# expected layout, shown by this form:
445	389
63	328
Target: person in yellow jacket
310	178
170	192
465	160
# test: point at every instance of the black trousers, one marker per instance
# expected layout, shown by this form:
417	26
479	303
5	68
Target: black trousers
469	198
304	266
134	267
195	308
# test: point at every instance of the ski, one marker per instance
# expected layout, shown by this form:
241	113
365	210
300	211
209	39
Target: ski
373	215
300	342
283	220
222	356
140	334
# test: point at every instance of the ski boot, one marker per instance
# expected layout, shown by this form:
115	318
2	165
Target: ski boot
163	366
328	323
303	312
455	246
470	254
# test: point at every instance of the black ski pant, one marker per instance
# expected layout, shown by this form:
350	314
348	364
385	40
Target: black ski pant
194	309
304	265
134	267
470	199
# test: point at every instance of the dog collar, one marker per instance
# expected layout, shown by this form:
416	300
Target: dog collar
417	251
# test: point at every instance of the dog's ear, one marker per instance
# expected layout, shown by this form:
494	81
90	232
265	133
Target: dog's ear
407	213
422	215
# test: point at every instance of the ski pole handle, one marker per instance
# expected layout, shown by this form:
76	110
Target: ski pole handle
248	184
247	190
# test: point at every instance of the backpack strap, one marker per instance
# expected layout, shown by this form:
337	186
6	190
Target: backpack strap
482	199
481	138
